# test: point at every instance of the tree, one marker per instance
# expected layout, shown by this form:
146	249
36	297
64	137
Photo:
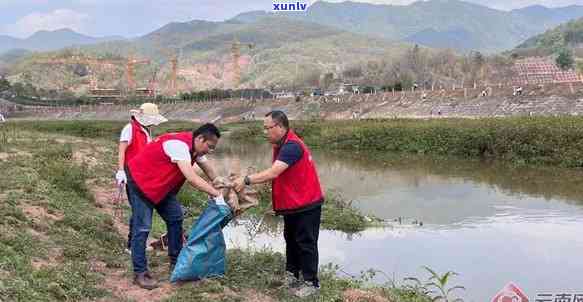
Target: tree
478	59
327	80
311	78
565	59
352	72
18	88
4	84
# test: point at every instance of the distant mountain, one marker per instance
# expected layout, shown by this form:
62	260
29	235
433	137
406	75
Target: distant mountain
51	40
274	51
14	54
286	49
454	39
551	16
179	33
252	16
429	22
11	56
7	42
569	35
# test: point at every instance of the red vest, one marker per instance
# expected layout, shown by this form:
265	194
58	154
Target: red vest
139	141
298	186
154	173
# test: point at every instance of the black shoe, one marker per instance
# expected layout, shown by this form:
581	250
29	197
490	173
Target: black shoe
145	281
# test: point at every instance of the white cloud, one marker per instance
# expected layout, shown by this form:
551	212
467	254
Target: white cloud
57	19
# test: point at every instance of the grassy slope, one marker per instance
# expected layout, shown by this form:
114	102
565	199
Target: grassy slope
52	255
540	140
568	34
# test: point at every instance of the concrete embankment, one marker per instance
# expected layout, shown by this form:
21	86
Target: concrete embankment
564	99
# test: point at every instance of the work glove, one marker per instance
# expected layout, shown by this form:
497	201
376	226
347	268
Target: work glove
121	177
220	200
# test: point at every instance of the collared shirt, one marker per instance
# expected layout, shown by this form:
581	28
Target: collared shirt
290	152
177	150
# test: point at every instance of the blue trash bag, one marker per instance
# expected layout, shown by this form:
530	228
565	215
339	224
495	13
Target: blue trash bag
203	255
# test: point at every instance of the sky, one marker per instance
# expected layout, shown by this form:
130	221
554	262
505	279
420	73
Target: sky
131	18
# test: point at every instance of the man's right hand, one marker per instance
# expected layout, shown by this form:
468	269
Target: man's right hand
195	180
121	177
239	184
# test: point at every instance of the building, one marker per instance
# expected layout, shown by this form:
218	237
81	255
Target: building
538	70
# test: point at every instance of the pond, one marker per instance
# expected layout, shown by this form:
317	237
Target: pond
488	222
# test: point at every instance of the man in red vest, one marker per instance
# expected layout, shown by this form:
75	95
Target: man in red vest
155	176
297	195
134	137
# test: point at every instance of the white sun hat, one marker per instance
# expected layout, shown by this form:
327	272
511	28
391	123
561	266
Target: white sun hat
148	115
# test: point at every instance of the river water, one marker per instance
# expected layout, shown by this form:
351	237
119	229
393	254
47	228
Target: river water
490	223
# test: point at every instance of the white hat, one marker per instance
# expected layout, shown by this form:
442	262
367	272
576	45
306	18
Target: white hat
148	115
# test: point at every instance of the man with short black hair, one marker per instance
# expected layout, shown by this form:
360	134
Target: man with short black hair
154	177
297	195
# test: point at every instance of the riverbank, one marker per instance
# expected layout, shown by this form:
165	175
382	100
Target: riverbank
555	141
62	239
551	100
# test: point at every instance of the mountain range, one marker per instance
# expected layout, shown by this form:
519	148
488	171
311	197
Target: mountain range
50	40
568	35
435	23
274	51
286	48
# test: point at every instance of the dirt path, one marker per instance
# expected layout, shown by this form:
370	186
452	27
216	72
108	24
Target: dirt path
119	281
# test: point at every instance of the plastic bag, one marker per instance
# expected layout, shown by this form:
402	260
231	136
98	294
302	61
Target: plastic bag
203	255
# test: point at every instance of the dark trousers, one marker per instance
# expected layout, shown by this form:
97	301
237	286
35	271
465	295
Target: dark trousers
142	210
301	232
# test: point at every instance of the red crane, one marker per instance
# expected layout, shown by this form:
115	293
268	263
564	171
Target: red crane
130	71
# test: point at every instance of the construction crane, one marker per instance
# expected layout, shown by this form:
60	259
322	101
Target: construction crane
130	68
173	75
153	84
173	59
236	54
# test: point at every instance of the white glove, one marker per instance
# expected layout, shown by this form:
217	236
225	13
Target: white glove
220	200
121	177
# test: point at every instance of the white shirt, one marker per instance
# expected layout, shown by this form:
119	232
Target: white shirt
126	134
178	150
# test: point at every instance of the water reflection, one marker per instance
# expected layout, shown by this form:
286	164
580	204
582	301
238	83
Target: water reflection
439	192
489	222
539	256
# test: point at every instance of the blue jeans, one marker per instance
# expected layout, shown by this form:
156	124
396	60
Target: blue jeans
142	210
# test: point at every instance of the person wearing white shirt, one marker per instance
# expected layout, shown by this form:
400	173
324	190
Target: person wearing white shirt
154	178
134	137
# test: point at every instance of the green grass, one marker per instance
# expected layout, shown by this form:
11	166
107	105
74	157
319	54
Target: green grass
250	273
43	172
50	180
336	214
91	129
553	141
